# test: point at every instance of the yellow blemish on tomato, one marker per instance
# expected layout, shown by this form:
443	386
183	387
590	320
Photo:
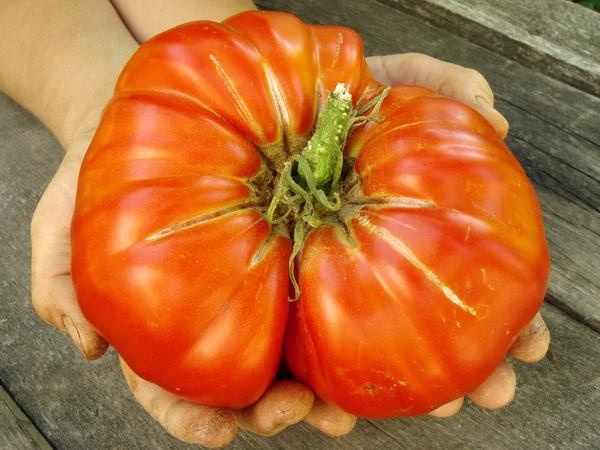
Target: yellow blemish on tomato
338	49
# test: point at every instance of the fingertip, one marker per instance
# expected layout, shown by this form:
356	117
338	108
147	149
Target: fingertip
533	342
94	346
197	424
449	409
286	402
91	345
54	301
498	390
330	419
494	118
189	422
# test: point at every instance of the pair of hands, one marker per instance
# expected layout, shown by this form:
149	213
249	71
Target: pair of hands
286	401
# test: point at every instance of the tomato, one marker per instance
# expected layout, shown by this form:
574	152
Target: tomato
428	261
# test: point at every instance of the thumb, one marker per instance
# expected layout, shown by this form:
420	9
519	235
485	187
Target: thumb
450	80
52	290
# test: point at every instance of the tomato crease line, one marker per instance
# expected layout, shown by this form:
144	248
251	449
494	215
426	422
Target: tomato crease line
241	107
398	202
202	219
279	103
403	250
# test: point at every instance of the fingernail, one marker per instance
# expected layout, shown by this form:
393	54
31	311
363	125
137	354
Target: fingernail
492	115
483	102
73	333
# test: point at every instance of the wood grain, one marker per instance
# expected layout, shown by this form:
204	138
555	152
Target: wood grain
555	37
78	404
16	430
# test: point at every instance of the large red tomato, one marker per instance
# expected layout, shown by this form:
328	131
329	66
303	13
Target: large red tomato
413	286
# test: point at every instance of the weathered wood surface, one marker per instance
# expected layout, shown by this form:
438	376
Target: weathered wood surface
554	133
555	37
16	431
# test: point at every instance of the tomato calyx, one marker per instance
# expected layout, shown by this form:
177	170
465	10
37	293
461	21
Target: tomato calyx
308	188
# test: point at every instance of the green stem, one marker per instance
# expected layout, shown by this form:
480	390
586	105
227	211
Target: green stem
324	150
309	185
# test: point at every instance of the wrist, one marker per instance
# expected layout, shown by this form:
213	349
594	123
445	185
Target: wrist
147	19
60	60
84	115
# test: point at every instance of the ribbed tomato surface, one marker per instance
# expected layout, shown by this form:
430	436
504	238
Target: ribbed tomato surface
411	293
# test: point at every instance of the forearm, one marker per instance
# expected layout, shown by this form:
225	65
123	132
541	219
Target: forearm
146	19
60	59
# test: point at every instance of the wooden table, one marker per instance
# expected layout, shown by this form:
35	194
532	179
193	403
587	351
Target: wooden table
547	85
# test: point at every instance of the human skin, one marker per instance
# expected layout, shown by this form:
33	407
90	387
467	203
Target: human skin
60	60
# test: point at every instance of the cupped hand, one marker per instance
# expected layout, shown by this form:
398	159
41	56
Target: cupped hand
285	402
450	80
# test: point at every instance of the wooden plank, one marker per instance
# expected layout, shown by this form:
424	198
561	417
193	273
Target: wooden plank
79	404
554	134
573	235
555	37
16	430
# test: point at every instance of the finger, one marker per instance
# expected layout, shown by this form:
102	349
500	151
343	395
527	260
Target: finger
286	402
450	80
189	422
449	409
498	390
52	291
59	307
330	419
532	344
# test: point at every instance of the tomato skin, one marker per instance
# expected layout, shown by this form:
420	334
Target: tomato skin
409	299
444	264
192	310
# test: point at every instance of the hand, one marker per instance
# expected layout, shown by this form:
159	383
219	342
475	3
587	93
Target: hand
450	80
286	402
51	285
